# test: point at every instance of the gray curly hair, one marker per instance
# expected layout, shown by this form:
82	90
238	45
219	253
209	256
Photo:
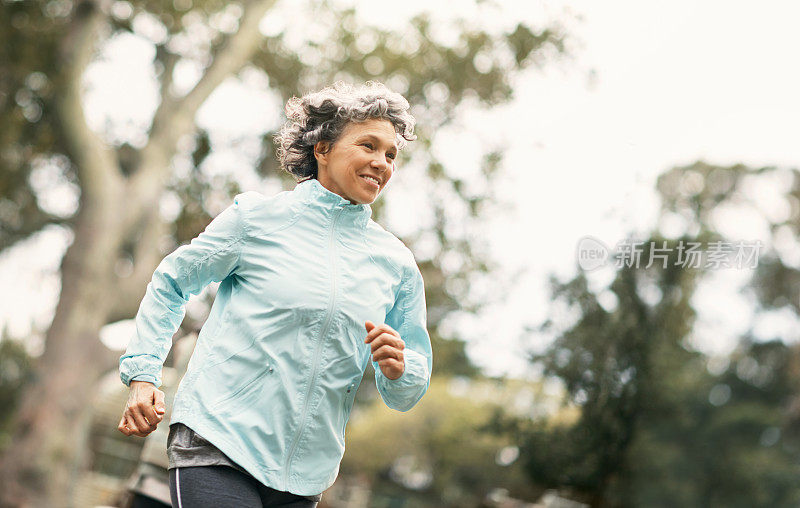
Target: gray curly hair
323	115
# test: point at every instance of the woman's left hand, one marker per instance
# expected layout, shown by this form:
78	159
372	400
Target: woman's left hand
387	349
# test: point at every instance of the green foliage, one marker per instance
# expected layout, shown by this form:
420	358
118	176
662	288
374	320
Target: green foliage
695	191
15	372
656	427
612	364
29	32
442	453
450	358
730	445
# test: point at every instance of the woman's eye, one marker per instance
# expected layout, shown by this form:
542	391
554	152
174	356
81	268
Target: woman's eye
391	156
368	145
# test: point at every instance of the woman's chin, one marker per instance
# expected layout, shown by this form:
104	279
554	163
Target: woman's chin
366	198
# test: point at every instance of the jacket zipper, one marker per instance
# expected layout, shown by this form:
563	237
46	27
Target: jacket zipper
323	331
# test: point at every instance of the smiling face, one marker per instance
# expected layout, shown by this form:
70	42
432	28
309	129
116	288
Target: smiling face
360	162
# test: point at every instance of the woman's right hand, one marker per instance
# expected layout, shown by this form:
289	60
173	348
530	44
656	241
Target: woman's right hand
144	410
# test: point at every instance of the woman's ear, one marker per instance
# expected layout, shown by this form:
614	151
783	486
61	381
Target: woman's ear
321	151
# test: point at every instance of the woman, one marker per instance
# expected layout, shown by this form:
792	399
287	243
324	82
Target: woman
311	290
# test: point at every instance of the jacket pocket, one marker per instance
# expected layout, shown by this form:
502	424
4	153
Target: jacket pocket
347	404
239	395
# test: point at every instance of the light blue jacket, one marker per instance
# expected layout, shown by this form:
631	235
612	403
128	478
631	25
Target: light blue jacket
274	373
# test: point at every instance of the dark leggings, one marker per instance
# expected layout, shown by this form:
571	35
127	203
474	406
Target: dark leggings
226	487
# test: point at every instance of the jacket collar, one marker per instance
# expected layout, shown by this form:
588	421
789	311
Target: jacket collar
315	194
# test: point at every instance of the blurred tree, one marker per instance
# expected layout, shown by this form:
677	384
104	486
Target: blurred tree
15	373
447	456
117	229
657	427
727	443
615	365
697	193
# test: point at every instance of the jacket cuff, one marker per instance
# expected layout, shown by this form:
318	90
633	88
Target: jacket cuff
140	368
404	392
415	372
144	377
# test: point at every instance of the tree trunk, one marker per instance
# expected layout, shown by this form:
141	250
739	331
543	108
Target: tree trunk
38	467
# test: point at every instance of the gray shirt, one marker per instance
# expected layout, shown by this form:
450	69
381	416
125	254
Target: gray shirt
186	448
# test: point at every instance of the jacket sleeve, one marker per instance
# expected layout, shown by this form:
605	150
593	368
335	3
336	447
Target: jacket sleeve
408	317
210	257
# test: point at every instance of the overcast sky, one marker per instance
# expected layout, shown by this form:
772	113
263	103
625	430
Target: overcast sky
652	85
675	82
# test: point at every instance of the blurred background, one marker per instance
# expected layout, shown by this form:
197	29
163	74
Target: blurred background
126	126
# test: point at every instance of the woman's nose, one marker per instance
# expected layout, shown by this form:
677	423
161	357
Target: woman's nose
380	164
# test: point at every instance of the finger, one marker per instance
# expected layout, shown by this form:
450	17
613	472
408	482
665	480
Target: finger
391	362
384	328
379	329
369	325
148	410
130	427
161	406
139	423
386	338
387	352
392	367
122	427
374	332
381	340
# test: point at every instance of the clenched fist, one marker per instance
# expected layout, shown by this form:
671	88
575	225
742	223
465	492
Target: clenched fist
144	410
387	349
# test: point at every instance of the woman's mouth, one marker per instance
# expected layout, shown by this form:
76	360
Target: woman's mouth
371	181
